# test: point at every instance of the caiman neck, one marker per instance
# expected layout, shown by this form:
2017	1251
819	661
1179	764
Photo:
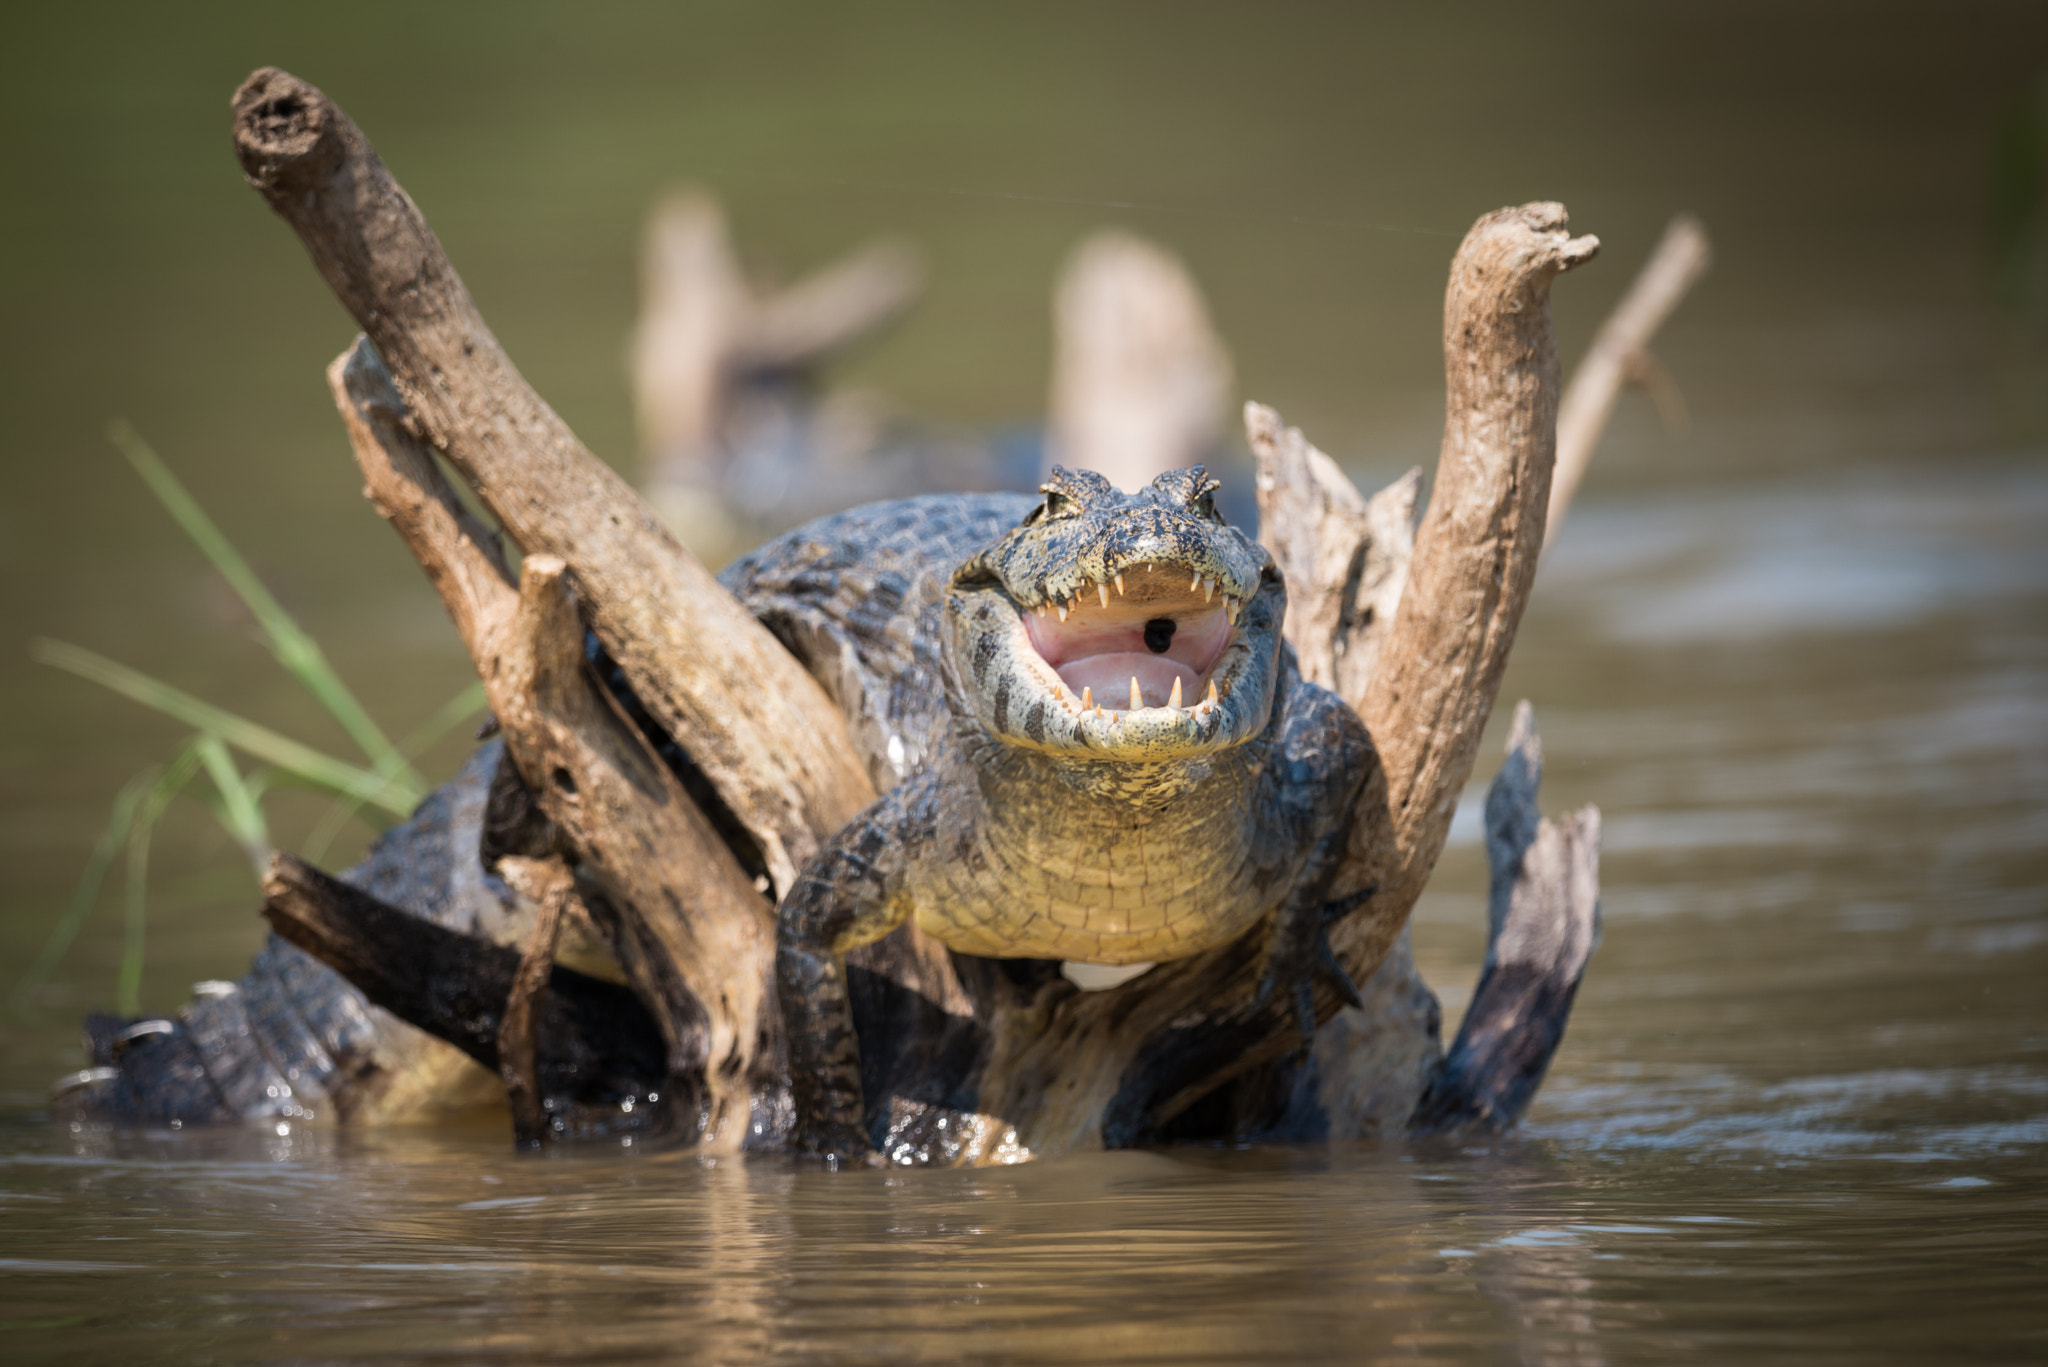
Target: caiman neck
1017	785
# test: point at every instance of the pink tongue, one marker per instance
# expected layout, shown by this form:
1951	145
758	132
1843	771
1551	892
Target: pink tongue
1109	676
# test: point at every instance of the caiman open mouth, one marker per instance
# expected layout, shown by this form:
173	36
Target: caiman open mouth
1131	627
1149	637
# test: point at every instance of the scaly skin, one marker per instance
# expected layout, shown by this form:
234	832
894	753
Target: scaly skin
1038	824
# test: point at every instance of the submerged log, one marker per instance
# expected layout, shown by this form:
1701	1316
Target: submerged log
674	819
598	1051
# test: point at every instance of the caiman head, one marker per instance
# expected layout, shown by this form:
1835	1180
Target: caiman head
1119	626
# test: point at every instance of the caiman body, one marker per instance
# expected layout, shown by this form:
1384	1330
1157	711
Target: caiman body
1091	745
1119	765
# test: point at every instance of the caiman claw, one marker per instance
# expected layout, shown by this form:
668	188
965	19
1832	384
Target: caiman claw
1299	955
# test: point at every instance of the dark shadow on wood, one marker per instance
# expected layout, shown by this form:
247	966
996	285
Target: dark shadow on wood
600	1062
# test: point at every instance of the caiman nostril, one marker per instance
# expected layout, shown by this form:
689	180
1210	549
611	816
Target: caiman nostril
1159	635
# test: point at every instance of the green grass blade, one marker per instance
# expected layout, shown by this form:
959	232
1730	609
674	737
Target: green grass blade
394	793
182	770
446	718
237	809
288	641
88	890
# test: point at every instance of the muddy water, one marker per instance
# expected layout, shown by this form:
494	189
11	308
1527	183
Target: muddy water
1797	653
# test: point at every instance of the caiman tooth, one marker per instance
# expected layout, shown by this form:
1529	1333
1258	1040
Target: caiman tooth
1103	589
1211	699
1063	612
1174	701
1087	699
1196	582
1230	608
1137	698
1119	587
1208	589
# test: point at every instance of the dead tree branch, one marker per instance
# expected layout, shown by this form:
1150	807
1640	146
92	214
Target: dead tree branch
595	1044
694	934
1139	377
1345	556
1475	556
760	728
1621	353
701	322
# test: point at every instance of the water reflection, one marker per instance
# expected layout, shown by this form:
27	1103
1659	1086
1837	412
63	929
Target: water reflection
422	1247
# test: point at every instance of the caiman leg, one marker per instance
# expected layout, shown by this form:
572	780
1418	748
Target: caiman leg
849	895
1323	756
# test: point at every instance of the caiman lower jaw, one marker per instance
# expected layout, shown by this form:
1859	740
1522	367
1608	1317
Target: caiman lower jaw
1154	643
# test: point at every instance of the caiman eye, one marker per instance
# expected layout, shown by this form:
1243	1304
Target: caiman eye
1204	502
1056	504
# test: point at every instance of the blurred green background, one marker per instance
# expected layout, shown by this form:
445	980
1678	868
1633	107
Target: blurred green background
1313	163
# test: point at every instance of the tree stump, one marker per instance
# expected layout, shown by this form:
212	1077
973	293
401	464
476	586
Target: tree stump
681	859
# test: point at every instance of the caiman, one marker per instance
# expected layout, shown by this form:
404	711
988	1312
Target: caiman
1093	746
1115	761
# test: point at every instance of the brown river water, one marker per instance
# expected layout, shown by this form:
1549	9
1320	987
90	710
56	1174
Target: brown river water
1797	652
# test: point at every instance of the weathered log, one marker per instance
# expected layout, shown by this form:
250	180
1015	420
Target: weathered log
1543	919
964	1059
762	730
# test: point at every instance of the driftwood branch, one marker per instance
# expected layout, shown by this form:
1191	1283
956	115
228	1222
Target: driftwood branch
1429	693
761	729
1621	353
1543	917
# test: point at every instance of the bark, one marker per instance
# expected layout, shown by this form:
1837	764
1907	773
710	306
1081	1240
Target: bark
964	1059
1345	556
762	731
1439	669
